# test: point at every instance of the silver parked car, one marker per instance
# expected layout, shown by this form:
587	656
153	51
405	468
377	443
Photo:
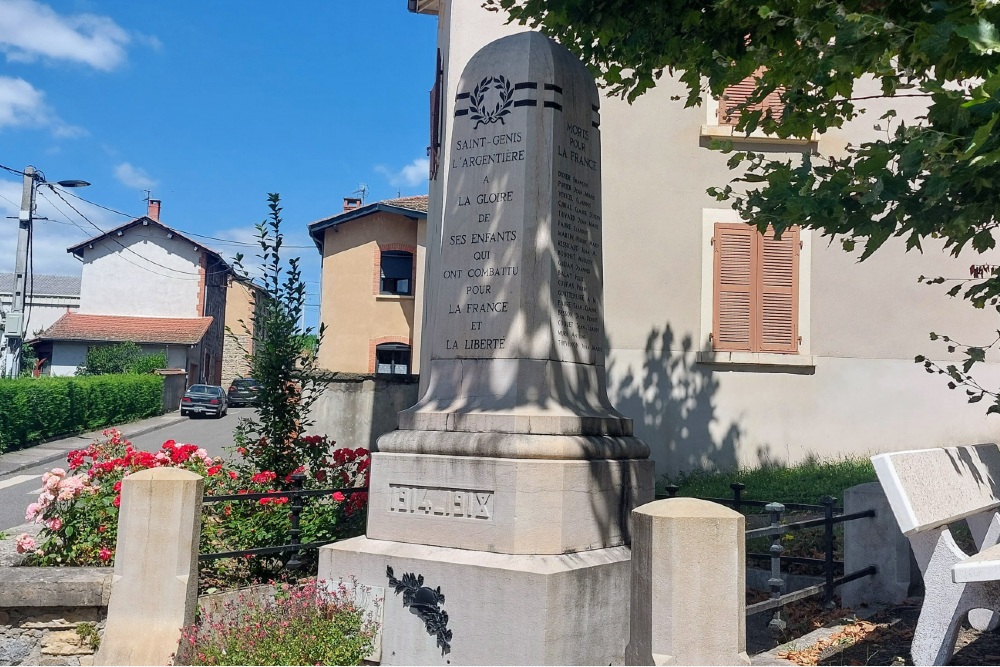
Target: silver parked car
204	399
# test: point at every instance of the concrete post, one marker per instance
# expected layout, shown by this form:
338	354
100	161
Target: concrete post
154	590
877	542
688	585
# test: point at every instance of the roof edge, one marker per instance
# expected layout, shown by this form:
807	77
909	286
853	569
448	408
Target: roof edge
326	223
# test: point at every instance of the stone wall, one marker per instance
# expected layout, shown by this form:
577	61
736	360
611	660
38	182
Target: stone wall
52	616
356	409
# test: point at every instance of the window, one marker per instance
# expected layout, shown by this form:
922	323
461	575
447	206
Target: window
392	359
396	275
755	290
737	94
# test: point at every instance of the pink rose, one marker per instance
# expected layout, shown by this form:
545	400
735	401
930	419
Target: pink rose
105	554
31	514
25	543
338	496
53	524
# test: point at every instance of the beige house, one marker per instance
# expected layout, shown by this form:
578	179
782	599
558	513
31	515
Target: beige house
241	297
727	348
371	289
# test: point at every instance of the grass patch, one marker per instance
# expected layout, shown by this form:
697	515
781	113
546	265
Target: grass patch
806	482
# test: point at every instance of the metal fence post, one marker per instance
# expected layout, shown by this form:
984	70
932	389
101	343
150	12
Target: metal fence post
828	503
295	532
776	583
737	495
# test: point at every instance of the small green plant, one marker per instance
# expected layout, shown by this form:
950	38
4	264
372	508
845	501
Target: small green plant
89	634
303	625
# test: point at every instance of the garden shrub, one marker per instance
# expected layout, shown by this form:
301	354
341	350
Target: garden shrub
33	409
119	359
307	624
79	507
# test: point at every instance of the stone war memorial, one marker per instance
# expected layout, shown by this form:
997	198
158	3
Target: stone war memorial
498	525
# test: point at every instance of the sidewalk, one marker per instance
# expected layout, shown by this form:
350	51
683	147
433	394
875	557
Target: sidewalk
56	450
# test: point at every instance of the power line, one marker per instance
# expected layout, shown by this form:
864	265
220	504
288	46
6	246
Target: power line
12	170
195	276
85	231
187	233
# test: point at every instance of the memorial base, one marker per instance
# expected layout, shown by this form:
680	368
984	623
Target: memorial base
496	609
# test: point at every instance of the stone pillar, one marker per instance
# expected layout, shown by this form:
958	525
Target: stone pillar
688	585
877	542
154	591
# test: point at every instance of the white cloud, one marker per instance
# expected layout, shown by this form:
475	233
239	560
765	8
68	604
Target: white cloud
20	102
23	105
30	30
50	237
133	177
410	176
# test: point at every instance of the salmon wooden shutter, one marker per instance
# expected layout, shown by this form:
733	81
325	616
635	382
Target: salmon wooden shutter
733	287
738	93
778	288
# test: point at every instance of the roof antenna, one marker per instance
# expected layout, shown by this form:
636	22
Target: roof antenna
362	191
147	197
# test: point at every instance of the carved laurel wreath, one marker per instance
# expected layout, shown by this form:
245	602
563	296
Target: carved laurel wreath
477	101
428	608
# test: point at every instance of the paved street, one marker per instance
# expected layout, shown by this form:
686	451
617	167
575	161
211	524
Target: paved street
19	489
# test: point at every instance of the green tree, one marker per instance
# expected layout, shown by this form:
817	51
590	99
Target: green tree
287	372
938	177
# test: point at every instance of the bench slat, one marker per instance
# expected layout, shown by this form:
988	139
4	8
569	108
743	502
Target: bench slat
929	488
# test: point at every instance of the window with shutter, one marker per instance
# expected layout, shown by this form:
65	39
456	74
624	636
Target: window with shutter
738	94
755	290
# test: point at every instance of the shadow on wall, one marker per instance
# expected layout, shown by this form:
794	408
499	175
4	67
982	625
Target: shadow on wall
672	400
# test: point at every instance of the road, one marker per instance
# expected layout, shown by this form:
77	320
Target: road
17	491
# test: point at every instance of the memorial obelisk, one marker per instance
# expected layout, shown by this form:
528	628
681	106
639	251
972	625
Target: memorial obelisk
508	487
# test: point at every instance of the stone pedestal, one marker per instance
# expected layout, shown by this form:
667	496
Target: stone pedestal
497	609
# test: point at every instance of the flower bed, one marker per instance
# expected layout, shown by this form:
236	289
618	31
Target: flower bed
78	506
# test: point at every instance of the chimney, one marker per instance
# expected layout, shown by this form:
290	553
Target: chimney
153	209
351	203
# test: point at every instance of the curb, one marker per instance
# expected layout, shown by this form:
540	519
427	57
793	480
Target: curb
49	458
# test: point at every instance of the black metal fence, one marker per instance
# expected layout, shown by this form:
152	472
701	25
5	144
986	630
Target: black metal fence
832	515
297	495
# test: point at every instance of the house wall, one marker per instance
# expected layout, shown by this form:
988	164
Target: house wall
216	287
67	357
857	390
354	313
239	306
162	275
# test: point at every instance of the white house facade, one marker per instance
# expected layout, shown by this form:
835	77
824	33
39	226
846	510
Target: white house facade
709	378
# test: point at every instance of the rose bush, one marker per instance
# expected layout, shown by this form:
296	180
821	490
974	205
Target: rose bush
78	507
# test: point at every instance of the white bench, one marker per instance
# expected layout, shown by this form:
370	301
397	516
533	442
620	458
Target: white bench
927	490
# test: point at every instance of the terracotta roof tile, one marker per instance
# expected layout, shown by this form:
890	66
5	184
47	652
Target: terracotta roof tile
418	203
119	328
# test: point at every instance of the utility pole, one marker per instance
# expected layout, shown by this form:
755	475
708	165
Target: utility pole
14	326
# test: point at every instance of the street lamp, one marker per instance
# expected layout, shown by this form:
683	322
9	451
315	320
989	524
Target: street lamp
14	325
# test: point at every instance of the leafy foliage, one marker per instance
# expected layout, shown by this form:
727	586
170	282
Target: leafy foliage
308	624
286	370
936	177
121	358
32	409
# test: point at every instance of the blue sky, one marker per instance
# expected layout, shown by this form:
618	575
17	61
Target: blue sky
210	106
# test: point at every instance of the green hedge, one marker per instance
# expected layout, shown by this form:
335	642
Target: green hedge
33	409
